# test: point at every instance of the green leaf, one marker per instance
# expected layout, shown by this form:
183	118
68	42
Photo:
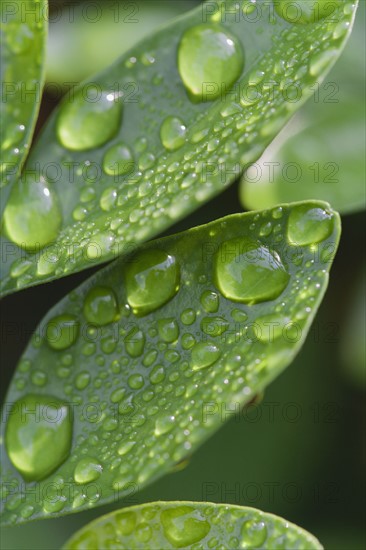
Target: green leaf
23	40
169	525
320	154
142	362
103	214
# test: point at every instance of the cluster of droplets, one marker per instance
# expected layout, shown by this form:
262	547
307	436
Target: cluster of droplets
150	374
191	525
155	189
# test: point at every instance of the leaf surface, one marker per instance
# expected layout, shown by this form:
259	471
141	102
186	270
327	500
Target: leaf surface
23	40
141	363
170	525
101	213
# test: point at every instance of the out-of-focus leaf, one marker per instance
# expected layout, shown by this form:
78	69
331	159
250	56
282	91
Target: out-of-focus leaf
23	36
320	154
206	144
169	525
142	360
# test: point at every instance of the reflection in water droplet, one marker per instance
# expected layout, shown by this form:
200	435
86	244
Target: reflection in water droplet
181	528
309	225
38	435
152	279
172	133
209	57
248	272
85	123
32	216
100	306
87	470
62	331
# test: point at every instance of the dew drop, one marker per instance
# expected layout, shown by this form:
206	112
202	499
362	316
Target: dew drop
152	279
248	272
164	424
62	331
87	470
210	301
180	530
214	326
38	435
253	534
309	225
204	355
32	216
84	124
100	306
118	160
108	199
305	11
172	133
168	330
209	54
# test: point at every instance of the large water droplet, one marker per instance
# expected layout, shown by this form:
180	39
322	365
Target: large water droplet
248	272
100	306
308	224
209	57
253	534
118	160
85	124
38	435
305	11
87	470
152	279
32	217
62	331
182	531
172	133
204	355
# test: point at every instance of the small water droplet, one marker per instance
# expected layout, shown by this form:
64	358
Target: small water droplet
204	355
246	271
208	58
152	279
32	216
164	424
38	435
168	330
253	534
210	301
62	331
172	133
181	528
84	124
87	470
118	160
100	306
309	225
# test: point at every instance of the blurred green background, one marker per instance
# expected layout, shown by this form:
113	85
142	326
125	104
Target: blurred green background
300	452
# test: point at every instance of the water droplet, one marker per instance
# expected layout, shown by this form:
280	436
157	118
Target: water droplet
172	133
320	61
152	279
253	534
180	530
214	326
32	217
209	57
308	224
62	331
168	330
305	11
85	124
248	272
204	355
38	435
125	447
126	522
135	342
118	160
108	199
188	316
100	306
136	381
82	380
87	470
164	424
210	301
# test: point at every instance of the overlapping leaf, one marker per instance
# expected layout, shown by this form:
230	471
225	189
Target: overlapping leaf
103	214
320	155
147	388
169	525
23	39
